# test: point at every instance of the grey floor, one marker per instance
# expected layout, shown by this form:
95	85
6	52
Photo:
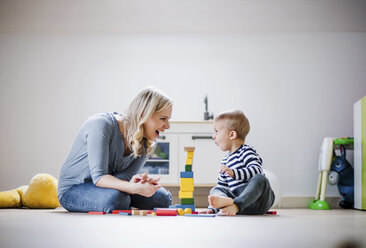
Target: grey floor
289	228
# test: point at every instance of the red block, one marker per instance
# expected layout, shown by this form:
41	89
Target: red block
166	212
272	212
96	212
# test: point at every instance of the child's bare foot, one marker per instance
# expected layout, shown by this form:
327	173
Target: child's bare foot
230	210
219	201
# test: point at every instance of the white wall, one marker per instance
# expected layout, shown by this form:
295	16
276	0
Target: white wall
295	87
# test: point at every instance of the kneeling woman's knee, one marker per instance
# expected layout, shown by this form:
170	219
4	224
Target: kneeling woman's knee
116	200
165	197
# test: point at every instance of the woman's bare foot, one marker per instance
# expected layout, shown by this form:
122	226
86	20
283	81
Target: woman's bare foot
219	201
230	210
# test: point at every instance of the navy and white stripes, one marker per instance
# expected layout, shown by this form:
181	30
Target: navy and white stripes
245	163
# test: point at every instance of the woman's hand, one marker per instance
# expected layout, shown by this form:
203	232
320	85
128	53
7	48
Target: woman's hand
139	178
154	181
139	184
144	185
144	178
145	189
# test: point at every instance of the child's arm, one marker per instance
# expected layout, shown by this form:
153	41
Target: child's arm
245	173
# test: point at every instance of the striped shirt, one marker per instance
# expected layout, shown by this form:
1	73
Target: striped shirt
245	163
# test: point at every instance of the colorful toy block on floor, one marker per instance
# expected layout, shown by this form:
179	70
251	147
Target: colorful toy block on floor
166	212
200	215
187	183
98	213
122	211
272	212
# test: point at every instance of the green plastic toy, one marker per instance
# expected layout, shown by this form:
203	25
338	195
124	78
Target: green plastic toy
325	160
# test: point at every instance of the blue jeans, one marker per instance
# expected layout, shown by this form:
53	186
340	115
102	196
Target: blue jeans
88	197
253	197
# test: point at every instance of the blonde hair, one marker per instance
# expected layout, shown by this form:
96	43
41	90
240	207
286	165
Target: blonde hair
141	108
236	121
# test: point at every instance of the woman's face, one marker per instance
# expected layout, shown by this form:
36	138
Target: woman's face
157	123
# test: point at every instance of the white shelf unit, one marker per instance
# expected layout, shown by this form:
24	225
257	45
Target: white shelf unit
206	160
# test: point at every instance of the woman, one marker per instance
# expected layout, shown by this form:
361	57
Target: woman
100	173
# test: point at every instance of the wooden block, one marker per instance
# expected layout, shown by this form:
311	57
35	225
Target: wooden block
186	174
187	201
189	161
200	215
184	207
166	212
272	212
190	155
187	211
143	212
186	185
189	149
188	167
183	194
119	211
123	213
135	212
91	212
180	211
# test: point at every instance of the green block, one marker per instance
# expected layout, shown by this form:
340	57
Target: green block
187	201
188	167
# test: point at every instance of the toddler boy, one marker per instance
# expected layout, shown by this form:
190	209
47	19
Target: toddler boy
242	187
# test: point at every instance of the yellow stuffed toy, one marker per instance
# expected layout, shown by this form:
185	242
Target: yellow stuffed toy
41	193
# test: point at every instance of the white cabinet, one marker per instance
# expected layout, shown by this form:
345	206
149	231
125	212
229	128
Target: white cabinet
169	157
164	160
207	157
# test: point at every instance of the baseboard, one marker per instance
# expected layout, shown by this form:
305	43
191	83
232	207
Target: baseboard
201	193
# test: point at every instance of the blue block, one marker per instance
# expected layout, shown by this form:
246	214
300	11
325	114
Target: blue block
200	215
123	213
186	174
184	206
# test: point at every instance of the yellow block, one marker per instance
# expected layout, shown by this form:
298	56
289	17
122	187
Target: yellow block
187	211
190	155
180	211
183	194
189	161
187	184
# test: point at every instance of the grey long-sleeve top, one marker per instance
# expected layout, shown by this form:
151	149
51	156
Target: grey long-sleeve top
98	150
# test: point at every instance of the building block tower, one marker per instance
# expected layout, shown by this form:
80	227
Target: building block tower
187	183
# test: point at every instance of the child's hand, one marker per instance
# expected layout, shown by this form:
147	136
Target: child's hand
226	171
206	211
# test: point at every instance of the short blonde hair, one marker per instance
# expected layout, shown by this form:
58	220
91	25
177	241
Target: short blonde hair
236	121
141	108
